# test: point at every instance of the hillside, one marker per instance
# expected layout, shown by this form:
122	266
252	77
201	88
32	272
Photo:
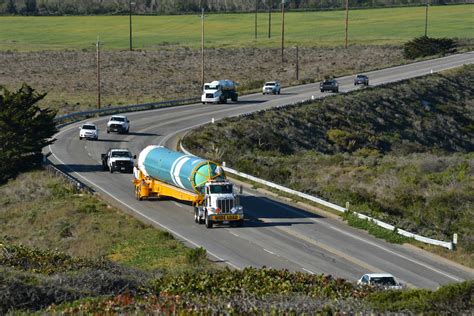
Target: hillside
401	152
53	282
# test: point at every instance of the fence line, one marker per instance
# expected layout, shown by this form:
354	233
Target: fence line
446	244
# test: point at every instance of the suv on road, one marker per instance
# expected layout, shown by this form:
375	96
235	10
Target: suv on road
361	79
89	131
384	280
329	85
118	159
271	87
118	123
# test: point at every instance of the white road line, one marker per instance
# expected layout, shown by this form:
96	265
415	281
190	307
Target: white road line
144	215
234	234
291	209
269	251
177	204
309	271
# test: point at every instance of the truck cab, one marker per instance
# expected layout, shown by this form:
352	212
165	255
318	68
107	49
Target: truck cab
220	205
219	91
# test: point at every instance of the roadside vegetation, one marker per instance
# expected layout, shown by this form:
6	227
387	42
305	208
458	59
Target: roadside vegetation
402	153
53	282
88	7
42	211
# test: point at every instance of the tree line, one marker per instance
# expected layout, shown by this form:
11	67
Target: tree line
87	7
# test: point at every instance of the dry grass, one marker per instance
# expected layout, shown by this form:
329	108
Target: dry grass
38	210
69	77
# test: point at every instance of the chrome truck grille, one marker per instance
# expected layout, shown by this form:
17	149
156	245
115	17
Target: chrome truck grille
225	205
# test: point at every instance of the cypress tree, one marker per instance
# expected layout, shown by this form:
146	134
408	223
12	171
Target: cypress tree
25	129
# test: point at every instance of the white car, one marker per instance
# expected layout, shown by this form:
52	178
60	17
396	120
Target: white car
384	280
119	124
89	131
271	87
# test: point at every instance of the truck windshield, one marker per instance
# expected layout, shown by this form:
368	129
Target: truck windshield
119	119
121	154
221	188
211	87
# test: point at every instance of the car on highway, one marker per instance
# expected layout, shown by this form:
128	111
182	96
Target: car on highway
383	280
271	87
361	79
119	124
89	131
329	85
118	159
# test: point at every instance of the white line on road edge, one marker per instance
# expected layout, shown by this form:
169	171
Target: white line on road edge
309	271
145	216
177	204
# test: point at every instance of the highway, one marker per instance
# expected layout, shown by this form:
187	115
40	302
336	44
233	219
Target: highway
275	234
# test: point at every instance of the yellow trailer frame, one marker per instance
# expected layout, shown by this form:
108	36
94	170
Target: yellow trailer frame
146	187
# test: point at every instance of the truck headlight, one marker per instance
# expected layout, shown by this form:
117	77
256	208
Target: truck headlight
237	209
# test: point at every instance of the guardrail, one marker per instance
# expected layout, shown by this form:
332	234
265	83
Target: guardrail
446	244
63	119
78	185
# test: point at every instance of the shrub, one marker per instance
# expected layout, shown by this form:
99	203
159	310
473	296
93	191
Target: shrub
427	46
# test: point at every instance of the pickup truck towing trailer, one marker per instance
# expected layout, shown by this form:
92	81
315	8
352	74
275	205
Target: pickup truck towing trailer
219	91
161	172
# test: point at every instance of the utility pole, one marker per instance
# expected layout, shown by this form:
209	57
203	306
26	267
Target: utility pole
426	18
98	72
347	20
297	65
130	15
270	18
202	47
256	12
282	28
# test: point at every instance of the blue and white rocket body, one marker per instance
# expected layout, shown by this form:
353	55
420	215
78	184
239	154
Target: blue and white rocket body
184	171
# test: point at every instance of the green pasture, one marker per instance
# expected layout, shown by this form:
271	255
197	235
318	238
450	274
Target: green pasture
373	26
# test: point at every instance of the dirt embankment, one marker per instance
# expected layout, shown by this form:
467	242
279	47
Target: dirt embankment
69	77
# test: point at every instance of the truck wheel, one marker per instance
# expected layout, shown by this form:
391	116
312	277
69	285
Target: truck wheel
196	215
208	222
240	223
108	131
111	170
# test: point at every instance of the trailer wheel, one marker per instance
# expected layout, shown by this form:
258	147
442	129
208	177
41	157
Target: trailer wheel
240	223
208	222
137	194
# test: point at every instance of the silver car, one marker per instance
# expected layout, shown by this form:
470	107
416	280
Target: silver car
383	280
272	87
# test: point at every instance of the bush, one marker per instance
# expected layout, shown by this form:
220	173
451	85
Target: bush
427	46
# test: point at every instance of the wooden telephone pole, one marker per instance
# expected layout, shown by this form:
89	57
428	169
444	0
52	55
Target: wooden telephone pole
98	72
347	21
282	29
202	47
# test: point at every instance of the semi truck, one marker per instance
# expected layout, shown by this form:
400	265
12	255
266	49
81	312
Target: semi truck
219	91
161	172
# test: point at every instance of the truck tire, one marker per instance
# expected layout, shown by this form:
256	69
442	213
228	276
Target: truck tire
108	131
208	222
240	223
196	215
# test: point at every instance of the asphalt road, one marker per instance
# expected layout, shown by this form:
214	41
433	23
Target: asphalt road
275	234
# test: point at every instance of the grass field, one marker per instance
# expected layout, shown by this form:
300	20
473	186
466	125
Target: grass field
376	26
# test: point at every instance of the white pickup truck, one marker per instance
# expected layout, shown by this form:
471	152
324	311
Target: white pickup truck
118	159
118	123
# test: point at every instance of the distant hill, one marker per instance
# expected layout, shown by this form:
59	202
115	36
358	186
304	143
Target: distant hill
85	7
